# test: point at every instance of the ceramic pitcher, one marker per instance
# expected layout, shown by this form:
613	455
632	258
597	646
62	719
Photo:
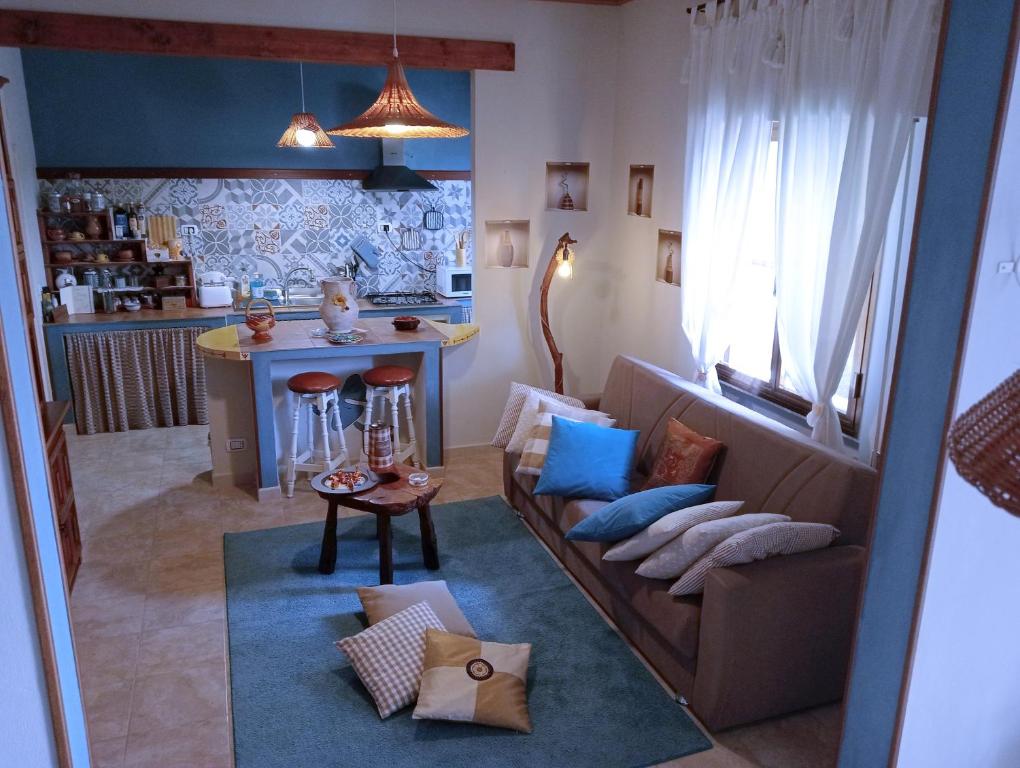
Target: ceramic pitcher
339	308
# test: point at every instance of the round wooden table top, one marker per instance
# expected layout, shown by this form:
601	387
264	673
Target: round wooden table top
393	497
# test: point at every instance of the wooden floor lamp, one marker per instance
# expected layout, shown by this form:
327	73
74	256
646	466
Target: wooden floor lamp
561	262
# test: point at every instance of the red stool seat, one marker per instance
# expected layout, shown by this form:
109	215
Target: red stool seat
313	383
388	376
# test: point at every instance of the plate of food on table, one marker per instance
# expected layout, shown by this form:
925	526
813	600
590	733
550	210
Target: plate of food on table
345	480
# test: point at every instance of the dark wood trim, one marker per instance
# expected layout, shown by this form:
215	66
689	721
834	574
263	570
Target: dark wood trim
232	173
119	34
994	156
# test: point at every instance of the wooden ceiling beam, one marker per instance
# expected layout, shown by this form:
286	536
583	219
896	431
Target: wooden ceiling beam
118	34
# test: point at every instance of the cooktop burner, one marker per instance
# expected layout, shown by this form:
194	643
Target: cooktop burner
402	299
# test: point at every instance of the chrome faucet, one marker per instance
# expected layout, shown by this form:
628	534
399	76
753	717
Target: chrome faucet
286	282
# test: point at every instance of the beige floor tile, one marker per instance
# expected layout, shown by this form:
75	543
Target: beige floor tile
119	548
198	745
98	581
107	662
179	572
193	605
195	694
170	648
107	617
108	753
108	710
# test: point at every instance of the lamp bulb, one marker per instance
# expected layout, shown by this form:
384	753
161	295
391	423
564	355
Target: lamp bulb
565	270
305	137
395	129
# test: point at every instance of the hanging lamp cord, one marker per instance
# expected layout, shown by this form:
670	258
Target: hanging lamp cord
301	71
395	29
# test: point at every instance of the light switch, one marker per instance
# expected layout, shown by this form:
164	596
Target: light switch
1007	267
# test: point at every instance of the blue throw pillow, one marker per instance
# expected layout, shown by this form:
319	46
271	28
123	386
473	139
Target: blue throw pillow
625	517
586	461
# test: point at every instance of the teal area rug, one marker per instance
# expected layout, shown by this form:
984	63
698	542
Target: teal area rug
297	701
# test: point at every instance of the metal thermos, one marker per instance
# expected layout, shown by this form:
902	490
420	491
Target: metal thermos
380	449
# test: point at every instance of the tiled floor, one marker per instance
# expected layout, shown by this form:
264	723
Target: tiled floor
149	616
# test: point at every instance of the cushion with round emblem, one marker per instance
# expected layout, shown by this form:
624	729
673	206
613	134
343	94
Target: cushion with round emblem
313	383
388	376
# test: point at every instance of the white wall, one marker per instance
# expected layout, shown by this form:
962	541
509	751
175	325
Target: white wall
963	694
557	106
18	130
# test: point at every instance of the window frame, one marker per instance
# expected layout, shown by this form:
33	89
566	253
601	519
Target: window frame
773	392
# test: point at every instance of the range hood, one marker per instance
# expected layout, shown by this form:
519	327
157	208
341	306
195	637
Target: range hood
393	175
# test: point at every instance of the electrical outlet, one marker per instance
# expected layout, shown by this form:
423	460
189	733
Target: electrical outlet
189	229
1007	267
236	444
385	226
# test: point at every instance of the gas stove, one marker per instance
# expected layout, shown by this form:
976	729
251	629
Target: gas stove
402	299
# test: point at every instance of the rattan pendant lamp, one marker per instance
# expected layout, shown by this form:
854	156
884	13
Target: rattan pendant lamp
396	114
304	130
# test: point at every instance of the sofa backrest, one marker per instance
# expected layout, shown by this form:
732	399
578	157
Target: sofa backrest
769	466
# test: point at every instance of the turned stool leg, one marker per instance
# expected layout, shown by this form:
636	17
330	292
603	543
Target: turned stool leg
322	401
412	441
369	398
394	393
292	456
344	456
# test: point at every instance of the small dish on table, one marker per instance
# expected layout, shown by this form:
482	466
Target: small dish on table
406	323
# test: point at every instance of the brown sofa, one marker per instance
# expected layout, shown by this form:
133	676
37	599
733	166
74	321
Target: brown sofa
768	637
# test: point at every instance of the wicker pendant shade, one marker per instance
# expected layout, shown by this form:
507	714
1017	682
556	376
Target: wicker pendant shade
312	134
396	114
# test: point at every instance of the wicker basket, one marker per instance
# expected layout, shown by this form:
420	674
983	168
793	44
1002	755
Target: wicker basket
984	445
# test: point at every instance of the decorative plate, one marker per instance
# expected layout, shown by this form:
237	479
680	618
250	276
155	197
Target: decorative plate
368	480
344	338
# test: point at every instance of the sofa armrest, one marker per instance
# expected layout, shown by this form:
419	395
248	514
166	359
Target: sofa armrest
776	635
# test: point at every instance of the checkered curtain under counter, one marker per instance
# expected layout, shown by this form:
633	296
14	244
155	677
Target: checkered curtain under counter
136	379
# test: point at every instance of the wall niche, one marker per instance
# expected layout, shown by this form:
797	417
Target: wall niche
506	243
667	263
639	190
566	186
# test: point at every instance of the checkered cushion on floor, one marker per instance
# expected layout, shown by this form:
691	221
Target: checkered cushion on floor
389	656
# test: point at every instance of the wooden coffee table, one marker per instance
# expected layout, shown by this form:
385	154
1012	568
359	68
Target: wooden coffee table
388	499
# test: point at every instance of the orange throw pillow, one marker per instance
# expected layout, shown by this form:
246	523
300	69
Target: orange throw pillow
684	457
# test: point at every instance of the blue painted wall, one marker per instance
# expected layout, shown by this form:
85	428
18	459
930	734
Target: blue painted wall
116	110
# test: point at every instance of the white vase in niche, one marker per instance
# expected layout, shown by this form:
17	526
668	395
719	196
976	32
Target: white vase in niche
505	254
339	308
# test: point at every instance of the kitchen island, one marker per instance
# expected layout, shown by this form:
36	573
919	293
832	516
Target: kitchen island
249	404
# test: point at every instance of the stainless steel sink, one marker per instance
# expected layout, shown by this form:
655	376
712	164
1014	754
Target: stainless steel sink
304	301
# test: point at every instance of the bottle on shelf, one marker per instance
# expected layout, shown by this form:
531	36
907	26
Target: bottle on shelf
143	225
121	227
132	221
47	305
245	287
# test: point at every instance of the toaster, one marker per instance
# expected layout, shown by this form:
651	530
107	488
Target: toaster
213	290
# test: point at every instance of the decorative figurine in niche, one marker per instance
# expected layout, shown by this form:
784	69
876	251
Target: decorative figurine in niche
639	207
667	273
505	253
566	201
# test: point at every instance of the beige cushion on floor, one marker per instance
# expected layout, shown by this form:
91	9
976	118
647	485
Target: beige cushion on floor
671	560
529	417
755	544
389	656
388	599
667	528
474	682
512	410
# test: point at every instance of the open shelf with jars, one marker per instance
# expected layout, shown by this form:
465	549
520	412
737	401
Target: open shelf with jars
639	190
566	186
84	244
667	263
506	243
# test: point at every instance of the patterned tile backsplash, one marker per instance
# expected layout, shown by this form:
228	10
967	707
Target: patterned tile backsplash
274	225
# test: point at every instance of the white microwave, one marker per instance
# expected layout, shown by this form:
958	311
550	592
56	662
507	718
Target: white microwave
453	282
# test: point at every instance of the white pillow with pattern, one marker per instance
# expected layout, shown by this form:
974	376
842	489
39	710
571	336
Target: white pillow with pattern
512	410
755	544
668	527
536	404
681	553
389	656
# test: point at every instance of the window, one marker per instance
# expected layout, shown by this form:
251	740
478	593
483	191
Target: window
753	362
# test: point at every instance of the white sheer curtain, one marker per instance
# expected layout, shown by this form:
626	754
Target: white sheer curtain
851	82
731	107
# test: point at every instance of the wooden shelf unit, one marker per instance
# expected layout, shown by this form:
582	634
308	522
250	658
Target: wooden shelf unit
68	221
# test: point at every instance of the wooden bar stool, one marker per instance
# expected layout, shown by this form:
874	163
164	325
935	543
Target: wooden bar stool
317	392
393	382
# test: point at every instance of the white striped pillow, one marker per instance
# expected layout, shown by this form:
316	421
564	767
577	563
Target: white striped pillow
512	410
755	544
389	656
664	530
